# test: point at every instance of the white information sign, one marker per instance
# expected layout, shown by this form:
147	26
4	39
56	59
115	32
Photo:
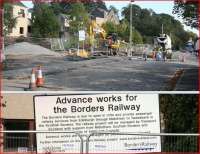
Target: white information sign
129	112
81	35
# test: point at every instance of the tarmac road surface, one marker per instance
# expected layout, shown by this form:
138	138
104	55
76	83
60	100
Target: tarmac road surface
100	74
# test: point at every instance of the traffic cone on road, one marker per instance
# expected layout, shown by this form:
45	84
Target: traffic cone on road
32	84
40	79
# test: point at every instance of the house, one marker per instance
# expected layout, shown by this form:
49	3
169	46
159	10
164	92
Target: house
112	17
101	16
23	20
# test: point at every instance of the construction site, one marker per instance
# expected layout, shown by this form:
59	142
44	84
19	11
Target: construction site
62	71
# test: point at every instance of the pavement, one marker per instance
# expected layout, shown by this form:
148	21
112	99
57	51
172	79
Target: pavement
189	80
99	74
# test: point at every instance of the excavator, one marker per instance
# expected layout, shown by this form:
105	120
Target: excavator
94	29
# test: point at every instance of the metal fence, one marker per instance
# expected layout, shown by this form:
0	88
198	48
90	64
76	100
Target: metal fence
68	44
97	142
141	142
42	141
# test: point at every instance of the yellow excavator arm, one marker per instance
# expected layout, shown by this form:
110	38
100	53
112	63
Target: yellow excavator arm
94	28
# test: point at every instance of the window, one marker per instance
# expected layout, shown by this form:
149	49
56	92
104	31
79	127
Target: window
21	30
22	13
29	29
15	141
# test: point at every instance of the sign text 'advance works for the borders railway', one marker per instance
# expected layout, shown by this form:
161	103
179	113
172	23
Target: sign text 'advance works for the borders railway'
85	114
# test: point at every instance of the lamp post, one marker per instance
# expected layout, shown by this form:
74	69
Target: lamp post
131	28
2	57
79	26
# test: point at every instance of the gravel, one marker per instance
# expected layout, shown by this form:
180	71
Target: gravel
26	48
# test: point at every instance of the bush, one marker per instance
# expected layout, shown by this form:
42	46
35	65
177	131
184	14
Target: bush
20	39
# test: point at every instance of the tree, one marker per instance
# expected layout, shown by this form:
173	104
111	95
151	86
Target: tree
137	38
116	11
56	7
180	115
9	20
149	24
109	27
79	17
89	5
44	21
93	4
123	31
188	11
122	28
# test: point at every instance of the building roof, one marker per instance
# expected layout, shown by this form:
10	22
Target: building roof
30	10
97	12
20	4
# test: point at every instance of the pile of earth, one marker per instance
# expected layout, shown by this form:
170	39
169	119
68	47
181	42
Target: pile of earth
25	48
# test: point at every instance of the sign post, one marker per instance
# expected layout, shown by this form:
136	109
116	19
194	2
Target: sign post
82	37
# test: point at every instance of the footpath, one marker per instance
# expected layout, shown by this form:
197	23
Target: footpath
188	80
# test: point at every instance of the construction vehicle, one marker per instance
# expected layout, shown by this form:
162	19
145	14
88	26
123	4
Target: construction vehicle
94	29
163	44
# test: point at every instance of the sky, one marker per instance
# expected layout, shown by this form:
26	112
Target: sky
156	6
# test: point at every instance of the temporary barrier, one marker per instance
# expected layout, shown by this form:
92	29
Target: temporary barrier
41	142
141	142
98	142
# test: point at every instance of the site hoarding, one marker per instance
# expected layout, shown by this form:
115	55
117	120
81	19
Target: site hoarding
85	114
81	34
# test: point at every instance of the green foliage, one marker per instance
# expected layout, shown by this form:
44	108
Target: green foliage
44	21
146	23
66	6
122	28
56	7
149	24
188	11
116	11
180	113
92	4
9	20
137	38
79	17
109	27
123	31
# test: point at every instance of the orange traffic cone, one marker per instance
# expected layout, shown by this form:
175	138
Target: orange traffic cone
32	84
40	79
